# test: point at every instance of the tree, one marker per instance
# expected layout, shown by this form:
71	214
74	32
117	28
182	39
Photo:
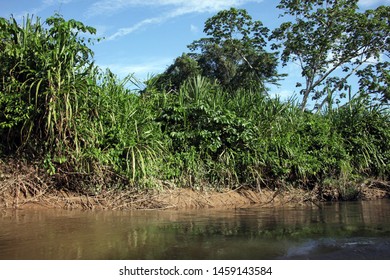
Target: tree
183	68
233	54
375	80
329	37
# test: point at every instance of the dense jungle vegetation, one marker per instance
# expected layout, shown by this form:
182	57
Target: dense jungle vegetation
207	121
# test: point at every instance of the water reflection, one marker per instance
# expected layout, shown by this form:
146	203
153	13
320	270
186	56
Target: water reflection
357	230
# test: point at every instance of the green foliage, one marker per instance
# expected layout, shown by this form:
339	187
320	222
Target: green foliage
365	132
233	54
121	131
327	37
187	127
54	100
375	81
43	70
183	68
248	139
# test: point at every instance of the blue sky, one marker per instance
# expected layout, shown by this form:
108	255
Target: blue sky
145	36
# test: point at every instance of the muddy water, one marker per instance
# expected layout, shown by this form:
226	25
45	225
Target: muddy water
354	230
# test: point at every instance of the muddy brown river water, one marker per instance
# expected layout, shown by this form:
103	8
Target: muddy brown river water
347	230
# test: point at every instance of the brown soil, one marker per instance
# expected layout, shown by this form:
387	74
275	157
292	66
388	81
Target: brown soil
179	198
25	186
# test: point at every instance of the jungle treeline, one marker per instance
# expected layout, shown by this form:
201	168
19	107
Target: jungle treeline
208	121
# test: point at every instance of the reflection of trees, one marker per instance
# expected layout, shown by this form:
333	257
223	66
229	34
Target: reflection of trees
339	219
183	235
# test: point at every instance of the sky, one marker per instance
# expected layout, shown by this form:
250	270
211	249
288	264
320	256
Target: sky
143	37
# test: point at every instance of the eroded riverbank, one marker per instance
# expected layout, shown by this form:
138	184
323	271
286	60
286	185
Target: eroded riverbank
28	187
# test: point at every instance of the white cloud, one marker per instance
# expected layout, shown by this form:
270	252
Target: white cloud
175	8
179	7
127	30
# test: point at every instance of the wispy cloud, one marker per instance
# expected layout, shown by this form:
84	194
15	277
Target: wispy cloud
127	30
174	9
109	7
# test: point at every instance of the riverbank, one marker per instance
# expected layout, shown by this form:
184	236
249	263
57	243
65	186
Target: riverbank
25	186
73	135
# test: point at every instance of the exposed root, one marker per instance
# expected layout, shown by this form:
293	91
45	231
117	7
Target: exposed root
26	186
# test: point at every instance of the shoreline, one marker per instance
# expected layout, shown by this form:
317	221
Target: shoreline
177	199
174	199
25	186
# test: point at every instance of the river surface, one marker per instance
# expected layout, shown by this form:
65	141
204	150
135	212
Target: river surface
348	230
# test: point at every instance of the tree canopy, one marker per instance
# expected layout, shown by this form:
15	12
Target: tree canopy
327	37
233	54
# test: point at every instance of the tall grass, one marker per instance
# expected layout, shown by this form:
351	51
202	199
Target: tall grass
365	130
44	68
123	132
58	105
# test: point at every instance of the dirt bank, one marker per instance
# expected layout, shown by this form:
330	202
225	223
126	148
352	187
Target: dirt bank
24	186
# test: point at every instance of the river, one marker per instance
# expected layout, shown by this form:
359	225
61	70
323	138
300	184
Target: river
343	230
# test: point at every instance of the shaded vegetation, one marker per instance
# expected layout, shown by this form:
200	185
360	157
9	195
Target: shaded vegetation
189	127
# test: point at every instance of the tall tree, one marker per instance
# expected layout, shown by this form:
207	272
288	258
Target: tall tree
233	54
183	68
375	80
331	35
